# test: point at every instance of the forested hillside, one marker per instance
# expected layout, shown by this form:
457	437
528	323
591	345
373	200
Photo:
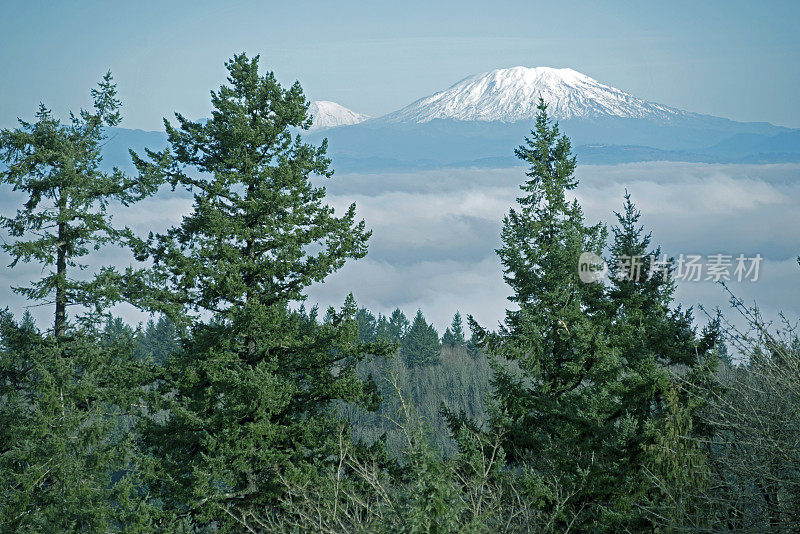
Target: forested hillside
596	405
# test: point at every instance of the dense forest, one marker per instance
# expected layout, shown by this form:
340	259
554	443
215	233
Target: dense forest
600	406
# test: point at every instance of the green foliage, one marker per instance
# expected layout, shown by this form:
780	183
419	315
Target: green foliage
67	462
393	328
653	340
645	325
64	464
561	402
58	166
116	331
421	343
419	491
428	500
454	334
587	402
249	392
236	410
458	381
680	472
259	232
367	325
158	341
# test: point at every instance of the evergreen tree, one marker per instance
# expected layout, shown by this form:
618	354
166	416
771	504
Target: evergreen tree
58	166
556	411
681	470
457	327
448	340
65	392
158	341
421	343
587	403
65	463
641	297
474	343
367	325
651	337
454	334
393	328
116	332
251	391
398	326
382	327
311	316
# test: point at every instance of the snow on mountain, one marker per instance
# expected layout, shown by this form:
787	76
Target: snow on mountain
511	95
330	115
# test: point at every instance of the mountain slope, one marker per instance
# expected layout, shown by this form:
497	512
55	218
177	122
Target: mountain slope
511	95
331	115
482	118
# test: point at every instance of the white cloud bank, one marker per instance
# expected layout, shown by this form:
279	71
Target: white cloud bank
435	232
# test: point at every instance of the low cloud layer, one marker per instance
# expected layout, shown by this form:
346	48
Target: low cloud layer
435	232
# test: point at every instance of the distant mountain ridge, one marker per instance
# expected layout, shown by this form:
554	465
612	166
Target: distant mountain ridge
479	120
482	118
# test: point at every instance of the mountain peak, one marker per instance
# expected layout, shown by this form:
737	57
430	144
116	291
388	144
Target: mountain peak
511	95
327	114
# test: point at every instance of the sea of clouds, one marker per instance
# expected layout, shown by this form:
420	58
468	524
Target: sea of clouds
435	233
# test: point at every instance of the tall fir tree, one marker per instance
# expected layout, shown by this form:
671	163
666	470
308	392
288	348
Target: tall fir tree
382	327
366	325
251	392
421	343
653	338
555	408
454	334
65	216
586	404
641	294
63	392
393	328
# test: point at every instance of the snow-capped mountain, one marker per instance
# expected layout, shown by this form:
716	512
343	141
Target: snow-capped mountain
330	115
511	95
487	115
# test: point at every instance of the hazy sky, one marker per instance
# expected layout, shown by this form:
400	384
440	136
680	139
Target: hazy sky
730	58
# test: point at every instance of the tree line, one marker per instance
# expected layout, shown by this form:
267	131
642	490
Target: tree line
592	407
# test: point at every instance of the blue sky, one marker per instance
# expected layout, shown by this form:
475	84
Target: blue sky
730	58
